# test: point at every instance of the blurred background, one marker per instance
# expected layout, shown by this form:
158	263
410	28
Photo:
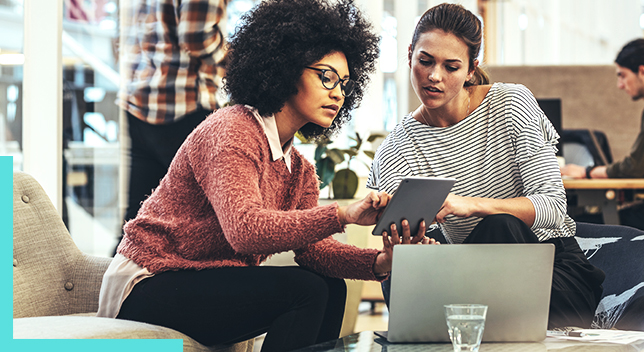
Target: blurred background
88	183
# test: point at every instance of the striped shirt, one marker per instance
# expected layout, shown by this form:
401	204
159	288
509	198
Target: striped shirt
173	56
504	149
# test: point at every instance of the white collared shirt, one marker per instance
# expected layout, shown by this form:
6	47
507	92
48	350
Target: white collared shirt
270	129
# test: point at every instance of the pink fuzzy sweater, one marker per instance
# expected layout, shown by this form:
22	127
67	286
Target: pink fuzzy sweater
225	202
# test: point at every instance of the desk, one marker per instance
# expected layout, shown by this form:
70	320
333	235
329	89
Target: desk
367	341
603	193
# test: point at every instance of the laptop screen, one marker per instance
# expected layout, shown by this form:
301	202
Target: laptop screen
552	109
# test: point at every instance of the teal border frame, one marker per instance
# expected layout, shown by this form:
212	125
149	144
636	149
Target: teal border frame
6	294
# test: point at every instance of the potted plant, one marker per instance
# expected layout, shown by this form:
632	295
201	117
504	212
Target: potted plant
344	182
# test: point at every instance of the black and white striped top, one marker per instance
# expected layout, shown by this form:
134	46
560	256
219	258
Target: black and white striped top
504	149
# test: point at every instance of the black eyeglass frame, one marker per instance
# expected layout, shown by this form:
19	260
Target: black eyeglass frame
342	81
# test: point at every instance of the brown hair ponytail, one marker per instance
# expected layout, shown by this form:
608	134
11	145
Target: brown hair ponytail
480	77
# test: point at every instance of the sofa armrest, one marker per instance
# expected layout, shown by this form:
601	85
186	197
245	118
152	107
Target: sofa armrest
87	277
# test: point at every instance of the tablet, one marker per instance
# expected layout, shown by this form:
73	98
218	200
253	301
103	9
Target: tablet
417	198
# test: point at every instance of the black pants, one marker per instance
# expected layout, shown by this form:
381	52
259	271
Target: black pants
576	284
152	148
294	306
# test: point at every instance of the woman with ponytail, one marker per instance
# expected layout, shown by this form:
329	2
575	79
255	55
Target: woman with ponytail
498	144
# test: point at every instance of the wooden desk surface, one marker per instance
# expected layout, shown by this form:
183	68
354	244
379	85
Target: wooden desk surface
611	183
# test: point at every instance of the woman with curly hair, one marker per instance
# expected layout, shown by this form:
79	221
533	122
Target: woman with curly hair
237	191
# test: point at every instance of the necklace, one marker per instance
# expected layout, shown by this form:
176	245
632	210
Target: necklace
422	114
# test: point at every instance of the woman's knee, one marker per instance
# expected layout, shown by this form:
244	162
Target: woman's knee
336	287
500	220
501	228
306	285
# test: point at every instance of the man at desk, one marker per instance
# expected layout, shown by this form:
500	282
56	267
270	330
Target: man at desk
630	78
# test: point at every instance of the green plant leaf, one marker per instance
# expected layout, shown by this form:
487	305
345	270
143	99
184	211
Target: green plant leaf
327	158
319	151
302	138
375	136
350	152
358	141
345	184
336	155
325	169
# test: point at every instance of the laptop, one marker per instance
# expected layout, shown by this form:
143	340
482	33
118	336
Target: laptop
514	280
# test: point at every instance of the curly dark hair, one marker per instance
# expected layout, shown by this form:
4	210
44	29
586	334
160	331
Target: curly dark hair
277	39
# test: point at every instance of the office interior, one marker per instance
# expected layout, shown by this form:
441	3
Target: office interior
59	76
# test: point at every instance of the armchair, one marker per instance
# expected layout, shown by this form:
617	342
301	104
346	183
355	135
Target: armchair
56	286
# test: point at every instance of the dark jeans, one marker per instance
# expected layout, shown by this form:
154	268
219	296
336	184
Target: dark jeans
294	306
576	284
152	148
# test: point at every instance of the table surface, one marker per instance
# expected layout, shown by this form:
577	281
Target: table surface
367	341
609	183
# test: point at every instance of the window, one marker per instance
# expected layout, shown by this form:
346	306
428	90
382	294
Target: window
11	60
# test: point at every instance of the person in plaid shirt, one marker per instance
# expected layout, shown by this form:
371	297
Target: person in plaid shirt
174	59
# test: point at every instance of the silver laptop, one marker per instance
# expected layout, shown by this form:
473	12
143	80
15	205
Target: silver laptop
514	280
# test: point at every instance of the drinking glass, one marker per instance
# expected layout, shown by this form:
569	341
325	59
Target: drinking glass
465	323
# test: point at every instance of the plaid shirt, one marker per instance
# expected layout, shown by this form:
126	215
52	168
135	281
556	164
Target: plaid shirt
174	58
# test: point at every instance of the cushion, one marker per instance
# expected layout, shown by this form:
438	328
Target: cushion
90	327
617	250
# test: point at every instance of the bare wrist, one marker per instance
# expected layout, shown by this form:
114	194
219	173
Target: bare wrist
380	269
342	216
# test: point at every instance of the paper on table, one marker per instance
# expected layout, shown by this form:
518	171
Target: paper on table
622	337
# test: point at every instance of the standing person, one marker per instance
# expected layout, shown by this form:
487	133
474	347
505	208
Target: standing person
630	78
238	191
174	59
499	146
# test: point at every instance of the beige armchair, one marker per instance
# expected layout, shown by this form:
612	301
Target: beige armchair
56	286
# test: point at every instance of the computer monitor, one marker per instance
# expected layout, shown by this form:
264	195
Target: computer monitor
552	108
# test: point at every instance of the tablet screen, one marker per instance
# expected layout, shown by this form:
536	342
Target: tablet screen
416	199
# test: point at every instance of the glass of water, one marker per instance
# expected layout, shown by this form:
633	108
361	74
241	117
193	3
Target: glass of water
465	323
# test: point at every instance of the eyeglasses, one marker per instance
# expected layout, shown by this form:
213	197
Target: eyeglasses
330	80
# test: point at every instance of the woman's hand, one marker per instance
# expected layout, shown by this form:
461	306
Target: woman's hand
382	266
463	207
573	171
366	211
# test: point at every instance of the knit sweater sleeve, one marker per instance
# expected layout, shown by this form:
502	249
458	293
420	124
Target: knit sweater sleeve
228	159
332	258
